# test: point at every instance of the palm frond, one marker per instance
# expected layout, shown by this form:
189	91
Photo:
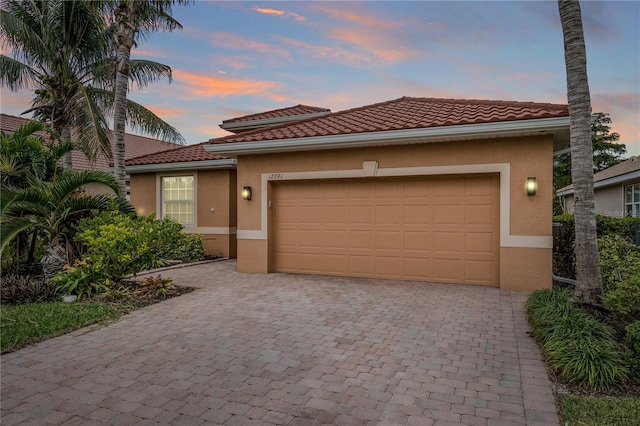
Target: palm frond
16	75
144	72
66	185
89	123
140	118
10	228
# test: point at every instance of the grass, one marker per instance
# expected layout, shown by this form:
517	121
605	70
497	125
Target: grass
599	411
21	325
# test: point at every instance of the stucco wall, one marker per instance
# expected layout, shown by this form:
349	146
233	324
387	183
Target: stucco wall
215	209
529	215
609	201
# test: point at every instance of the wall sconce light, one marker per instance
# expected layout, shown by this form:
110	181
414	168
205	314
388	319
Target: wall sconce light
531	186
246	193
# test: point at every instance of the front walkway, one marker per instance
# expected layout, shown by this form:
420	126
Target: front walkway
293	350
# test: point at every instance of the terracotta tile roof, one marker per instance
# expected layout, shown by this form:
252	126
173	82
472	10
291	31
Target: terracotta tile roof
276	113
403	113
628	166
135	145
182	154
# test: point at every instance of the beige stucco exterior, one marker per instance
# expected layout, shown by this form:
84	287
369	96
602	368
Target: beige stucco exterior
525	221
609	200
215	205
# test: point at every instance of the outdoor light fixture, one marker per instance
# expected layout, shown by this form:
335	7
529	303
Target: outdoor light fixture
246	193
531	186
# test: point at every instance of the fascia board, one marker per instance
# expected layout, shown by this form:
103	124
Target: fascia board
250	124
394	137
187	165
627	177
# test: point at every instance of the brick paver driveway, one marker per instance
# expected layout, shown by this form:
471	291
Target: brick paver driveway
291	349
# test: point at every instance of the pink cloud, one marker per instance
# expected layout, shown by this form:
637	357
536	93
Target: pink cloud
237	42
276	12
341	55
203	86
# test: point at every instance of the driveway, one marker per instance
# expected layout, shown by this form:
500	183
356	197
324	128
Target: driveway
284	349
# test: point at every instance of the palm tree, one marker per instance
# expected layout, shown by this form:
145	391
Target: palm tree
53	207
589	288
63	49
133	18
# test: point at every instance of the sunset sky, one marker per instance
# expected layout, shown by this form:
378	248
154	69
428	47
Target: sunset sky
237	58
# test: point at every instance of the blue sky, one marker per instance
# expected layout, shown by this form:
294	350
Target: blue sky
237	58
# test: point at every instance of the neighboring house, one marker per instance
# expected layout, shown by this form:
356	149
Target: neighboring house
135	146
412	189
616	191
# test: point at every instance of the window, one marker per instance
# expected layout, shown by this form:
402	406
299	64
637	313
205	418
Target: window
632	200
177	199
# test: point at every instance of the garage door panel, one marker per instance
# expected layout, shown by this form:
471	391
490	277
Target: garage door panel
388	215
479	242
334	214
447	214
362	266
360	214
447	270
388	266
479	272
442	229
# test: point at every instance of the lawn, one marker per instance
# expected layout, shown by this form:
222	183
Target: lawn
599	411
21	325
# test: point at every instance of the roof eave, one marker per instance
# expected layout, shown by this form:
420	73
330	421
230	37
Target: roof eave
623	178
557	126
264	122
227	163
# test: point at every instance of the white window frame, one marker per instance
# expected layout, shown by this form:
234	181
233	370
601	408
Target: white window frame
162	202
634	204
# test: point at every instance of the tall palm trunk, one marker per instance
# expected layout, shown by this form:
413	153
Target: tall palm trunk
589	278
67	161
125	21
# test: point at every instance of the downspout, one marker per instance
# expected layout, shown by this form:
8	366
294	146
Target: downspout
563	279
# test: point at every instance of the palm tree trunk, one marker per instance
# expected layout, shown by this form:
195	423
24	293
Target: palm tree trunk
125	18
589	277
67	160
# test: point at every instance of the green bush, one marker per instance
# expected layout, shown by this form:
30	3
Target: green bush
619	259
17	289
81	279
632	340
606	226
580	349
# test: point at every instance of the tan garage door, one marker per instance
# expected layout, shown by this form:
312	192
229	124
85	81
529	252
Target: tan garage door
441	229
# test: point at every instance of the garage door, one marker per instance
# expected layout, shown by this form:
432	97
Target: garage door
440	229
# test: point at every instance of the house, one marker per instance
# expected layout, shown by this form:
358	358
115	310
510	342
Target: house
198	188
616	191
135	146
441	190
414	188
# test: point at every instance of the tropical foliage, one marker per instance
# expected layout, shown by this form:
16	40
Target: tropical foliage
37	204
63	50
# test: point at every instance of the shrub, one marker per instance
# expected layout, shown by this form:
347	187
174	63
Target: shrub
153	287
623	227
118	245
580	349
18	289
81	279
632	340
623	299
619	259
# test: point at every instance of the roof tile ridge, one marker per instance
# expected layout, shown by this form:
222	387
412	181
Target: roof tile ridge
239	119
